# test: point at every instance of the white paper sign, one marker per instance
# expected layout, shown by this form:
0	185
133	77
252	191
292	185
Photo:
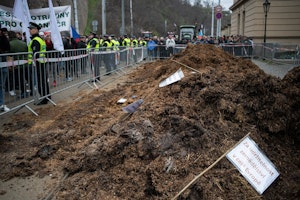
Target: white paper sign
172	79
256	168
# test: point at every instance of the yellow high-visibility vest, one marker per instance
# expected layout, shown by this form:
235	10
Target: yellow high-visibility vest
126	41
116	44
97	44
42	50
135	43
108	45
143	43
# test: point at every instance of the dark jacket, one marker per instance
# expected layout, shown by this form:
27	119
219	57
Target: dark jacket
17	45
4	44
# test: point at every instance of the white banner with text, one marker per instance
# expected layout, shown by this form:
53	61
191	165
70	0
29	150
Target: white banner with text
40	16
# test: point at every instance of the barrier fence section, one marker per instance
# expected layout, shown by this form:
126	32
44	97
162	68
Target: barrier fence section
278	52
238	50
15	73
275	52
162	51
51	72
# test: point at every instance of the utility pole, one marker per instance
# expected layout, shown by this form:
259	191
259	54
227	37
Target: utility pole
76	16
219	24
122	31
103	17
212	19
131	19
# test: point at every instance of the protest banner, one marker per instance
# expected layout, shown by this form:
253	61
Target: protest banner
40	16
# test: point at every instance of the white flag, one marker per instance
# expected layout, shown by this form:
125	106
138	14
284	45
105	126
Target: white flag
55	34
172	79
21	12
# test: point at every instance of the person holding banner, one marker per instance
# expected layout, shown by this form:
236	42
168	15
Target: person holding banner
37	45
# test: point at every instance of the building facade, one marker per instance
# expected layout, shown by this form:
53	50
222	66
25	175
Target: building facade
283	21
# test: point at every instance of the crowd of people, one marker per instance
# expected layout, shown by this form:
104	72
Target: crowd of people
15	42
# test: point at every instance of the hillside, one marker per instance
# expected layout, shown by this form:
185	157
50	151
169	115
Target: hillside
158	16
96	151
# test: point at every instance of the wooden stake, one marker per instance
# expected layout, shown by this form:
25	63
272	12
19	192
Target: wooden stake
207	169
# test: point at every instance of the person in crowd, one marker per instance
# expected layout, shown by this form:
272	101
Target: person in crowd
49	43
37	44
4	48
142	42
42	35
134	42
81	49
170	45
108	45
19	35
124	44
5	32
11	85
155	50
116	48
68	45
211	40
134	52
224	39
24	37
126	41
82	42
151	46
93	45
205	40
53	66
162	52
20	76
121	38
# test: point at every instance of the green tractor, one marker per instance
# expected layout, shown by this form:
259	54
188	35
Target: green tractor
187	33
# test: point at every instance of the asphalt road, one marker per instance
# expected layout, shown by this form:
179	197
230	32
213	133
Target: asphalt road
275	69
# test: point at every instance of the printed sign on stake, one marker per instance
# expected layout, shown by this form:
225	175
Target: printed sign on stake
172	79
256	168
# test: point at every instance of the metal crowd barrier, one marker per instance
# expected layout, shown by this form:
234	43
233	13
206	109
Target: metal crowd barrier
162	52
22	83
238	50
15	79
287	54
264	51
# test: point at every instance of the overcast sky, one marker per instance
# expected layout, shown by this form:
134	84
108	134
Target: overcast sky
224	3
